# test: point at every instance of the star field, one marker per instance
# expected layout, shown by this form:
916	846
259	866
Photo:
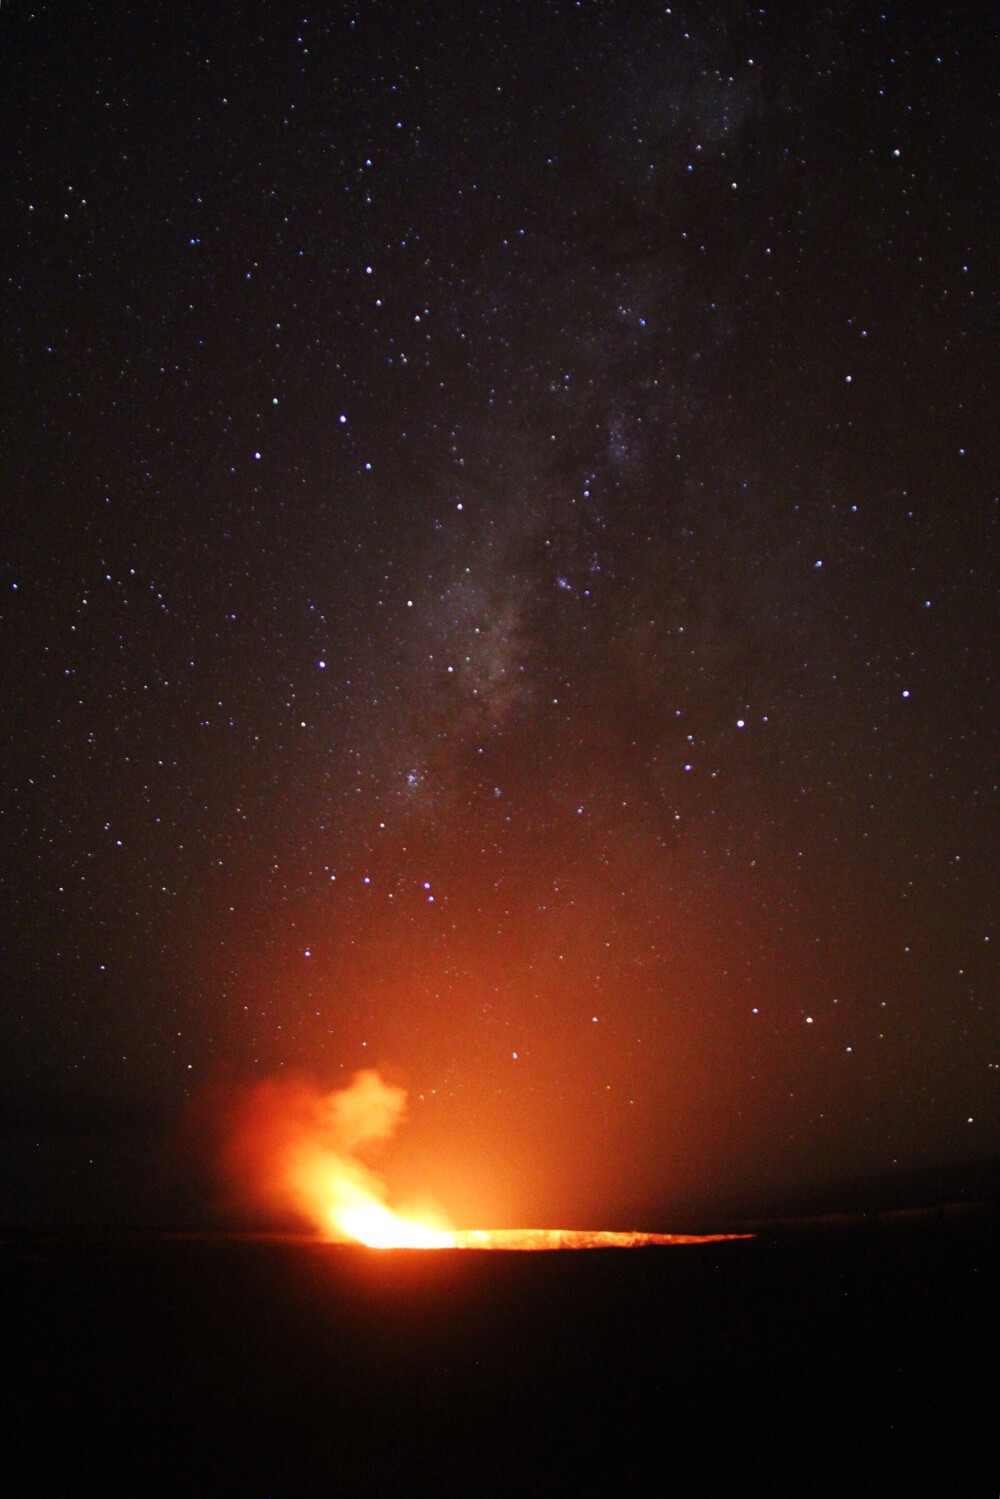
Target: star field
499	579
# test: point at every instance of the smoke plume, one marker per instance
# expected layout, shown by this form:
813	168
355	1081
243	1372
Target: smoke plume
285	1146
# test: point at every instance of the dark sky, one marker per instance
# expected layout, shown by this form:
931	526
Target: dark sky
500	520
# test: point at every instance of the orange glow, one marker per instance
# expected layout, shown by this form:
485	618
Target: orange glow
380	1228
287	1145
573	1238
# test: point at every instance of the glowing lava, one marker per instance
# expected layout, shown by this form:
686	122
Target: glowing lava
402	1233
573	1238
380	1228
287	1145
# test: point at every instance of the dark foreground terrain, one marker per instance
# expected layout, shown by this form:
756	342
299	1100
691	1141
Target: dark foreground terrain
852	1357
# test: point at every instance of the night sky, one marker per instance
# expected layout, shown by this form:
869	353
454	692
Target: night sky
500	520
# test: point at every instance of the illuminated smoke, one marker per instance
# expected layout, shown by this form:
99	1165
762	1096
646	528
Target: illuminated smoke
286	1145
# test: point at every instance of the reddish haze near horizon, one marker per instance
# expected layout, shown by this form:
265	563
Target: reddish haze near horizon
286	1145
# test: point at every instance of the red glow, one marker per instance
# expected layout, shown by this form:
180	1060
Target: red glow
287	1145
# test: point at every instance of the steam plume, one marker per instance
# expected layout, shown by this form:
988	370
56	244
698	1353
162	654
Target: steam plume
286	1146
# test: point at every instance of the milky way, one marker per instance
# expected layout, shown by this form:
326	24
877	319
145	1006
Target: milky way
498	583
